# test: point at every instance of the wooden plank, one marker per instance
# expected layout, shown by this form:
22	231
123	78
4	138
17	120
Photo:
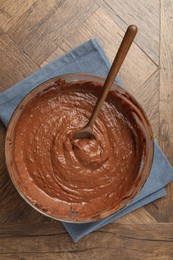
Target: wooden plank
15	64
31	229
128	241
45	26
148	97
137	67
11	11
164	207
78	37
166	79
97	254
145	14
138	216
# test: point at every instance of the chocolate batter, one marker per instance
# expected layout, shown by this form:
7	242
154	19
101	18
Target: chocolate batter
76	179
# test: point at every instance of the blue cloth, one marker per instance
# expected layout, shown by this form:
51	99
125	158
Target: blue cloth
88	58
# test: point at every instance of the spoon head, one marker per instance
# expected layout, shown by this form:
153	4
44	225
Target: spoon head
86	132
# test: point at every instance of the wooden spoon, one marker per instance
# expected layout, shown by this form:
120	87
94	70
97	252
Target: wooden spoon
129	36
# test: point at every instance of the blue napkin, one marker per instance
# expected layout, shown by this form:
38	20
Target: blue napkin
88	58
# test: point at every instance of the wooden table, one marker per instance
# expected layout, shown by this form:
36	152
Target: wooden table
34	32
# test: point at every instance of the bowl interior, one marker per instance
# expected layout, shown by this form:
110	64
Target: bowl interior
138	114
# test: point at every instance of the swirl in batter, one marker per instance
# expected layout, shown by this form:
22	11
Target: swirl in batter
76	179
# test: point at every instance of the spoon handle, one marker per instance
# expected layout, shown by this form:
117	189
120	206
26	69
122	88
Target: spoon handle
119	58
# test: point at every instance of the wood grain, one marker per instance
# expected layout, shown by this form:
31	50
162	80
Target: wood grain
165	102
145	14
16	65
150	103
101	26
11	11
164	206
166	80
32	34
138	216
125	241
44	26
